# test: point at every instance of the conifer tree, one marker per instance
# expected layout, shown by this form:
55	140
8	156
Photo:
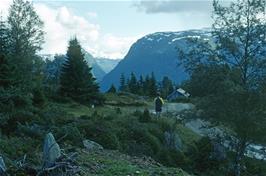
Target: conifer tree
122	82
140	85
166	87
112	89
132	85
76	80
152	85
146	85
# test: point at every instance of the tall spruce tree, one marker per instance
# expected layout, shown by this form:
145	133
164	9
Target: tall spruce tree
146	85
166	87
112	89
122	82
76	80
239	49
133	85
140	85
153	85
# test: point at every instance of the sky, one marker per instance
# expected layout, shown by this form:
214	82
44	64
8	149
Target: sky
107	28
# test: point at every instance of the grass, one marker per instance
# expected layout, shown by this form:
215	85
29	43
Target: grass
109	163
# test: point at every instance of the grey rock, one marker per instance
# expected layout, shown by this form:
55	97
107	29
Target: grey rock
51	151
91	145
219	151
2	166
172	140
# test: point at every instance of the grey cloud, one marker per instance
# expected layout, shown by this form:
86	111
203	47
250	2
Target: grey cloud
173	6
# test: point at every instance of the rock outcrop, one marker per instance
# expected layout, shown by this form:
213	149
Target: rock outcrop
51	151
91	145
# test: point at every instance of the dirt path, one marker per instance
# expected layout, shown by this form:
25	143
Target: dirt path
174	107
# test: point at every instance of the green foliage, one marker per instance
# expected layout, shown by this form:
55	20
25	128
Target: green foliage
166	87
70	134
151	85
118	111
100	131
147	87
112	89
15	147
3	36
229	72
39	98
77	81
25	33
133	84
25	37
122	83
145	117
6	72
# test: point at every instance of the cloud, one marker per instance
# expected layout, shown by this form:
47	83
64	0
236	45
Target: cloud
114	46
61	24
173	6
92	14
4	6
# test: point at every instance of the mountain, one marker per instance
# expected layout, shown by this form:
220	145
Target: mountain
155	53
107	64
97	71
54	65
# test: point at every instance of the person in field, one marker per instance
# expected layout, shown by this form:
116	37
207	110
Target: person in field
158	104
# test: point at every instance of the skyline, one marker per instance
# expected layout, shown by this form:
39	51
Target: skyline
109	28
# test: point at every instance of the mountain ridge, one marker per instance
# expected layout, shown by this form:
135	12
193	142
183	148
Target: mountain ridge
157	53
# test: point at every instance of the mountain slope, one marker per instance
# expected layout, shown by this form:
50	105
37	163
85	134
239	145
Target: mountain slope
55	65
107	64
154	53
97	71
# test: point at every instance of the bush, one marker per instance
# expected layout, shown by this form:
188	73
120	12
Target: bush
172	158
71	135
102	132
145	117
14	147
15	118
38	97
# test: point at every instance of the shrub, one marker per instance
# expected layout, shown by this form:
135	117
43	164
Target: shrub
145	117
15	118
38	97
72	134
118	110
102	132
14	147
172	158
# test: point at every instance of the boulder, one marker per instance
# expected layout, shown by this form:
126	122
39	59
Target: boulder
51	151
219	151
2	166
172	140
91	145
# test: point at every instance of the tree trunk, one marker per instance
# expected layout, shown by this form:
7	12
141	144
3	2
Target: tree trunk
241	148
